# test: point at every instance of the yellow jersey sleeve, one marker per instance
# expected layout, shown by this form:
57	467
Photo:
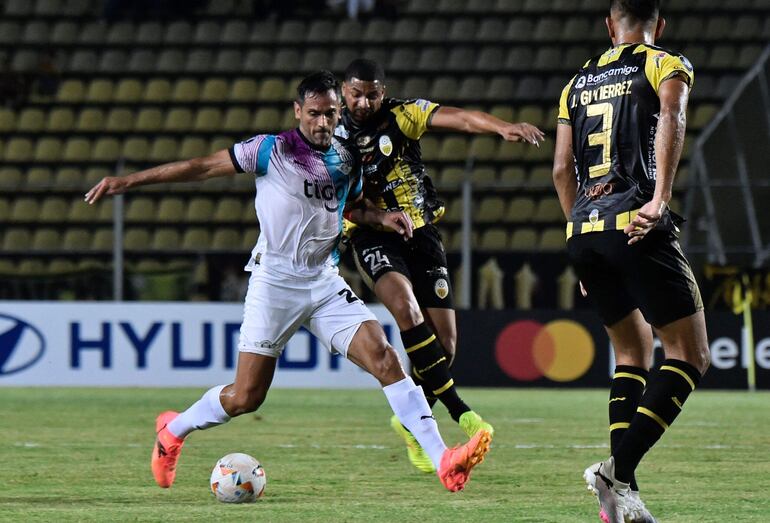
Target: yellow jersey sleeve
661	66
413	117
563	110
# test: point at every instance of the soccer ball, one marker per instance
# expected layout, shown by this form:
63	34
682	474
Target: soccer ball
238	478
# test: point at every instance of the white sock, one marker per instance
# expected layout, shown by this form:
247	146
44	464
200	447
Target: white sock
408	403
204	413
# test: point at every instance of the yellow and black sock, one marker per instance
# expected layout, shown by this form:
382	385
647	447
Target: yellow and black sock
627	388
659	407
430	366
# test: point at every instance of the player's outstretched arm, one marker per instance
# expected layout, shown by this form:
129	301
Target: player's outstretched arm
217	164
364	212
456	119
564	169
669	139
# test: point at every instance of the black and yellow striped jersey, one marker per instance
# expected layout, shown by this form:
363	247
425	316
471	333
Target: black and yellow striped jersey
612	105
394	174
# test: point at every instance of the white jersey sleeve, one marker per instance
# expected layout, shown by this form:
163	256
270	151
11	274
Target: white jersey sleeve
253	155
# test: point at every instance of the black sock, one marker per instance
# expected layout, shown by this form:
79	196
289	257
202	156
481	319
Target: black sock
659	407
430	365
627	388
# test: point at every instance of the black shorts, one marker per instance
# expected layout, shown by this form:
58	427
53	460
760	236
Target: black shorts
421	259
652	275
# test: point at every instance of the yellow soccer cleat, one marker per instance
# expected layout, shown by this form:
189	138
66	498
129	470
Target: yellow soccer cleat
417	455
471	423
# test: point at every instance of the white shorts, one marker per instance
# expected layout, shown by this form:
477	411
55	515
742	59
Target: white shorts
276	307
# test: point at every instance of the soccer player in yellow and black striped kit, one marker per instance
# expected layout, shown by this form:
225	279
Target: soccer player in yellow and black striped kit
411	277
619	138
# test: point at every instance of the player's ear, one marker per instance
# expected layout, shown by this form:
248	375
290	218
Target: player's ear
610	28
660	27
297	110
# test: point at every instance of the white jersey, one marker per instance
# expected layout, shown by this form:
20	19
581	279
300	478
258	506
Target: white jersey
301	193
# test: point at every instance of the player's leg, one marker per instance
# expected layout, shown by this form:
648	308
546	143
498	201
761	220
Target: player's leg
443	322
369	350
217	405
632	342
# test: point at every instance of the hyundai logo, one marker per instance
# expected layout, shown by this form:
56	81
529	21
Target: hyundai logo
21	345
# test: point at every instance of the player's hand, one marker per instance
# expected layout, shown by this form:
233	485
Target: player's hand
108	185
649	216
398	221
522	132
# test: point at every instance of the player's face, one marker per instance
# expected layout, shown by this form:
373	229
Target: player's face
362	99
318	116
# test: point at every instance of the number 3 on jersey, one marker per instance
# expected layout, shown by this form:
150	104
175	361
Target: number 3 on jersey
602	138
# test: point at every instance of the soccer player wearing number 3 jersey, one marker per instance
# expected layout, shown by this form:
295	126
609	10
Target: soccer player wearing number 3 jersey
619	138
305	178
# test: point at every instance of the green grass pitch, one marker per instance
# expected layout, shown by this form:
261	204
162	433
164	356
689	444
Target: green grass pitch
83	455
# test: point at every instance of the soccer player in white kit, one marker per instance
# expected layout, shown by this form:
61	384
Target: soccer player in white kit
304	178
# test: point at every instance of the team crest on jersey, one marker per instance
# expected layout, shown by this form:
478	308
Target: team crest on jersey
593	217
386	146
686	63
441	288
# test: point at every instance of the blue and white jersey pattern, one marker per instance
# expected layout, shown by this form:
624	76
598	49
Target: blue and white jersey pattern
301	194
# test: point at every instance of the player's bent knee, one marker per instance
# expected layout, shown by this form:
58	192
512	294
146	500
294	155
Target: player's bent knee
406	312
243	402
386	366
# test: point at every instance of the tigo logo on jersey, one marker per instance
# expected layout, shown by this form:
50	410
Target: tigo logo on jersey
21	345
560	350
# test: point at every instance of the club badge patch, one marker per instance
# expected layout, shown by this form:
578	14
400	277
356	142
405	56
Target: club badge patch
441	288
386	146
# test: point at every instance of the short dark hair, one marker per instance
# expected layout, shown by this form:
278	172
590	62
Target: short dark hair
643	11
319	82
366	70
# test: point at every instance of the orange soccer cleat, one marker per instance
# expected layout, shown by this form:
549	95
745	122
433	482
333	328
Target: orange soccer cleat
165	452
457	462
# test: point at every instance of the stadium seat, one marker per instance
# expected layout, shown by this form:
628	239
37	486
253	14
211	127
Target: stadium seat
81	212
274	90
494	239
166	239
249	238
7	120
163	150
24	61
228	210
722	56
70	91
530	88
76	239
45	240
291	32
157	90
227	61
378	31
548	210
106	150
148	120
135	149
5	207
207	119
199	210
490	58
415	87
31	121
149	33
312	58
10	32
484	178
544	153
429	145
90	120
519	210
455	244
226	240
24	209
121	32
491	30
77	150
348	32
59	266
195	239
453	148
500	88
69	178
244	90
102	240
267	119
523	239
519	29
140	209
185	90
128	90
194	147
112	61
406	30
119	120
16	240
341	57
39	179
547	58
180	32
511	176
444	88
170	210
471	89
236	120
432	58
18	150
286	61
136	240
60	120
258	61
233	32
10	178
483	147
173	61
490	210
53	210
214	90
460	59
435	30
83	61
748	55
531	114
178	119
48	150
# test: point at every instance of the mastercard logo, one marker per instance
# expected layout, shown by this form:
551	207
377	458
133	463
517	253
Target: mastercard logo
560	350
